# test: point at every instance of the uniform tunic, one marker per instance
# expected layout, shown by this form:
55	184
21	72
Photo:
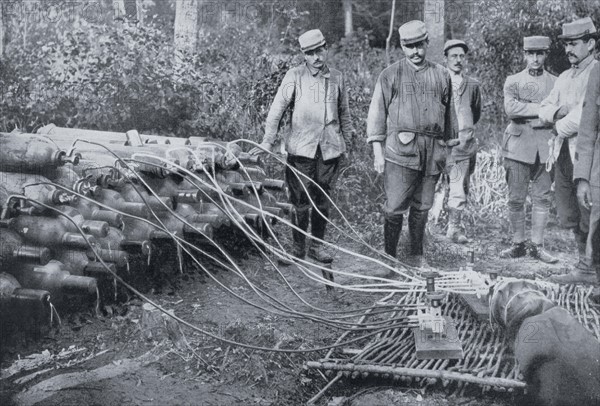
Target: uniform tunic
569	90
320	114
411	112
587	158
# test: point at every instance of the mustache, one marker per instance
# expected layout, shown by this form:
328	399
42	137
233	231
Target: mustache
571	54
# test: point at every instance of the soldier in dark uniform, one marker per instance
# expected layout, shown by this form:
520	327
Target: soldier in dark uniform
409	122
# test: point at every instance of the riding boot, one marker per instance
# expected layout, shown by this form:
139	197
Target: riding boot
518	248
455	232
316	249
417	221
392	227
300	220
539	218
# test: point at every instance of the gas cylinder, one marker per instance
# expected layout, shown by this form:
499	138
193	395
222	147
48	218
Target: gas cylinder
53	278
31	154
114	199
17	302
13	250
25	184
78	263
47	231
93	227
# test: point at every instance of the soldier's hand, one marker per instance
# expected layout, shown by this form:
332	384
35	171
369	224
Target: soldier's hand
584	195
379	163
561	113
264	147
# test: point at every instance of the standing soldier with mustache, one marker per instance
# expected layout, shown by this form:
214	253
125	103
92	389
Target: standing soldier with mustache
587	168
461	162
320	130
409	123
563	108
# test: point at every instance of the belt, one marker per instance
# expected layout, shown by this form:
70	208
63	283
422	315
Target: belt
534	122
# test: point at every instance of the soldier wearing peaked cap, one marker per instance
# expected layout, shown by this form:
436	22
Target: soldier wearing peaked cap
461	161
586	171
525	151
563	107
409	123
320	130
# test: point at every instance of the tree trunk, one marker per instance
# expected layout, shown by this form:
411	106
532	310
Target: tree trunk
1	33
388	40
186	27
348	26
119	8
139	6
434	21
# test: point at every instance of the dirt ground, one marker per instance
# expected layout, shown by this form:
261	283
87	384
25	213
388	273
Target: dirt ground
187	368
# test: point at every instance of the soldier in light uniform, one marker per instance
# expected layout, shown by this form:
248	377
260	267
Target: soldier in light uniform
563	108
466	97
320	130
525	151
586	173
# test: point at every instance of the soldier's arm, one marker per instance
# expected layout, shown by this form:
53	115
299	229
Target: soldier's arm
588	128
513	106
378	110
344	113
568	126
451	122
476	103
550	105
285	95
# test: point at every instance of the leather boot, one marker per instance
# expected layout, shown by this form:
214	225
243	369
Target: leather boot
417	221
581	240
538	252
539	218
455	231
392	227
300	220
583	273
317	250
518	248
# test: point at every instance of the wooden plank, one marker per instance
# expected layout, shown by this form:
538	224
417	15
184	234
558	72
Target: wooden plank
446	345
479	307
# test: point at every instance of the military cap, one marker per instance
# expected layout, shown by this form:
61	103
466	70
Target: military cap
536	43
310	40
578	29
412	32
451	43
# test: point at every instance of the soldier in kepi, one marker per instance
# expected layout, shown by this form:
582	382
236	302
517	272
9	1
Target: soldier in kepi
586	174
525	151
320	130
562	107
466	97
409	124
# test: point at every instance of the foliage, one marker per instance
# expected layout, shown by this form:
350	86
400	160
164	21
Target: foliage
495	35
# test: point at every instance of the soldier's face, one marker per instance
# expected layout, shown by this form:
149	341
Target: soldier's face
577	49
316	57
456	58
416	52
535	59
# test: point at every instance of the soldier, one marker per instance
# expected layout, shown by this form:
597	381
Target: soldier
320	130
409	123
562	108
586	173
525	151
461	162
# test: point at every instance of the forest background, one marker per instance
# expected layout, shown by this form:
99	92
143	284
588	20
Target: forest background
211	68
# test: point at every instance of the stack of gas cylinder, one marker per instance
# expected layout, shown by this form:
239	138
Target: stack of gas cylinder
81	206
